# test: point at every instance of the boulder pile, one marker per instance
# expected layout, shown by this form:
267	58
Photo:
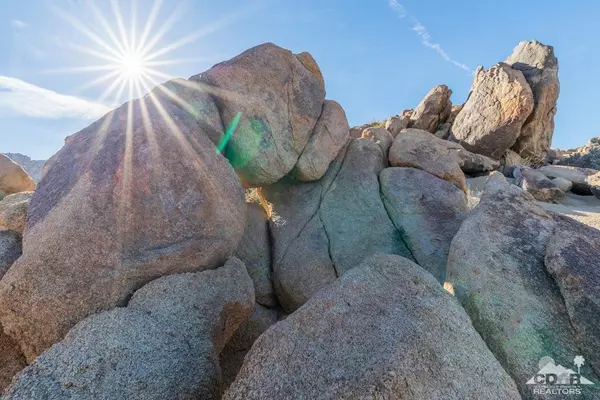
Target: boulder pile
229	236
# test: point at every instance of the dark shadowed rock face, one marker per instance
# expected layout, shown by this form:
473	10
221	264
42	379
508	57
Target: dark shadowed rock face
540	68
375	333
13	360
232	356
427	210
280	101
496	265
10	250
573	260
139	194
164	345
255	252
499	104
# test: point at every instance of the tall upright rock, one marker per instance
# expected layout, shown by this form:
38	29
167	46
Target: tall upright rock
433	110
139	194
540	68
491	120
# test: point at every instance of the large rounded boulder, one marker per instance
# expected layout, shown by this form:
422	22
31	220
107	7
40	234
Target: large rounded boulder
280	97
385	330
139	194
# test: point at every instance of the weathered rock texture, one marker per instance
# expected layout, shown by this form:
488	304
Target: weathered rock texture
572	260
164	345
540	68
427	210
12	360
232	356
381	136
32	167
255	252
433	110
496	265
419	149
499	104
10	250
280	101
329	350
583	179
329	137
536	183
314	240
587	156
139	194
13	211
13	179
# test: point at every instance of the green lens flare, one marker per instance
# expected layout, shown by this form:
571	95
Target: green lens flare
229	132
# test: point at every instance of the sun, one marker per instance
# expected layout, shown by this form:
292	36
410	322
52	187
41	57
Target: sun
130	53
133	66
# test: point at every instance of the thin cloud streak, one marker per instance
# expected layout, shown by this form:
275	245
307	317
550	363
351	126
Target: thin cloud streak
424	35
20	98
17	23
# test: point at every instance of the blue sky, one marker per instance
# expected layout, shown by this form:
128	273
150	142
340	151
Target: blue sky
378	56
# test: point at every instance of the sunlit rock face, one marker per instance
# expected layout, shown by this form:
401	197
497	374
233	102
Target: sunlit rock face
13	179
139	194
280	97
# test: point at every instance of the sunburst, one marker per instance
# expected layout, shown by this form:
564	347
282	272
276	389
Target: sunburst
131	58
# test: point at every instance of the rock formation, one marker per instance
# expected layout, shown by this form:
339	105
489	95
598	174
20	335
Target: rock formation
139	194
13	179
540	68
491	120
13	211
32	167
164	345
141	268
374	333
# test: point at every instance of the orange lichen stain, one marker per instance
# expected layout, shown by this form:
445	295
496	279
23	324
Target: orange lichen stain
449	288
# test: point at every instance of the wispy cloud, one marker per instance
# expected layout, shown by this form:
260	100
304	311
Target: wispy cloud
20	98
423	33
17	23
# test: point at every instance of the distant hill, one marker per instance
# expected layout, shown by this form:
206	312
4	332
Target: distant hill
32	167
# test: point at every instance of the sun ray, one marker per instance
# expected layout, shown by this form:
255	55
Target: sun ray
83	29
162	31
89	68
109	90
132	28
132	61
122	31
94	53
111	34
149	24
98	80
213	27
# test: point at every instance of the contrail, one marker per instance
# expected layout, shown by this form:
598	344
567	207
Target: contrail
422	32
